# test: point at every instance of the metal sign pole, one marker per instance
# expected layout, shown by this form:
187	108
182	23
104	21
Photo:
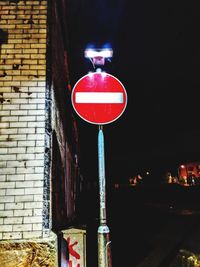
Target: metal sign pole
104	249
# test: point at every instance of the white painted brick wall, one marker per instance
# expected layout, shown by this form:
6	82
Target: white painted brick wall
22	118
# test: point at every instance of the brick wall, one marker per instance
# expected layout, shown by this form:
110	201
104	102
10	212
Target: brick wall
23	30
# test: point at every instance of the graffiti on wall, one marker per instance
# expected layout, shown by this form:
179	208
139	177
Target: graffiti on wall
73	253
76	242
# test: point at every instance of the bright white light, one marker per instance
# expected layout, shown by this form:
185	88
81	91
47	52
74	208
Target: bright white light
104	53
182	166
90	74
90	53
98	70
103	74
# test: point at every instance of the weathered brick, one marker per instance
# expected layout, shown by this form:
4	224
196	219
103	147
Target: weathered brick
24	184
14	206
18	124
26	130
2	178
8	144
39	169
13	220
19	112
28	107
37	212
16	150
14	192
32	234
23	212
26	198
25	170
3	151
7	184
15	163
37	226
7	170
4	112
26	143
25	156
12	235
6	213
36	112
35	176
10	118
23	227
33	205
15	177
6	228
39	156
35	149
33	219
17	137
2	192
6	199
35	163
38	198
35	137
22	125
36	191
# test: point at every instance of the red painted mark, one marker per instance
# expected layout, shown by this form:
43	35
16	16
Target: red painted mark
72	251
70	264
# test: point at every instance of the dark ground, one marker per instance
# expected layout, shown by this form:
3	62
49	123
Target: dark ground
147	224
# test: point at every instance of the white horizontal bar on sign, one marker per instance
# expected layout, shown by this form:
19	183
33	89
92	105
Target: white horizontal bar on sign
100	97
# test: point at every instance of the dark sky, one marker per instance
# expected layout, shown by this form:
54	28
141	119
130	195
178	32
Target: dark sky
156	56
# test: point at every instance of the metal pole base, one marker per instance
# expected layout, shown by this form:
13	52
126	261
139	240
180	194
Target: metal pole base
104	247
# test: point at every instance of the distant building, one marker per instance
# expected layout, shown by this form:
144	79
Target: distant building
189	173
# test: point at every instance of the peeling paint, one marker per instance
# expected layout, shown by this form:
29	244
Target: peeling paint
16	66
16	89
2	100
3	37
3	74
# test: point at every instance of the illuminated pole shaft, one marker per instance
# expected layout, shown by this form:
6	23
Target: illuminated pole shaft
104	250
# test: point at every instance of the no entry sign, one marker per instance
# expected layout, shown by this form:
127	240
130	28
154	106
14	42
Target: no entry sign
99	98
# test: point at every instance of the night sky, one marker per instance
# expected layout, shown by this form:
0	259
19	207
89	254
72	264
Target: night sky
156	55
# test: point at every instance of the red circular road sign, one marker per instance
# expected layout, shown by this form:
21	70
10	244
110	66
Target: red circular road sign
99	98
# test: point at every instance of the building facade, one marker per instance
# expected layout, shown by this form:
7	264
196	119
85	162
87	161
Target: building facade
38	136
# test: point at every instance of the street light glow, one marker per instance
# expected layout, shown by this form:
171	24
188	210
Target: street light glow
102	53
